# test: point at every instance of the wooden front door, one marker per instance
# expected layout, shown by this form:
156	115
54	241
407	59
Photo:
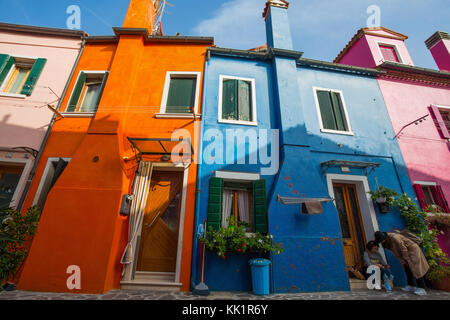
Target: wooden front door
159	235
353	235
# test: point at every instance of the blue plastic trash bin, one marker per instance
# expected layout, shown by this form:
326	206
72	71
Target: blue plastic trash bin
260	276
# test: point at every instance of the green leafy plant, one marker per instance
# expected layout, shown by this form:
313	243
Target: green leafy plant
235	239
384	193
15	229
416	222
436	217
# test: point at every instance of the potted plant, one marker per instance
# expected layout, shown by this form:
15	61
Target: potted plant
15	229
439	274
384	197
235	239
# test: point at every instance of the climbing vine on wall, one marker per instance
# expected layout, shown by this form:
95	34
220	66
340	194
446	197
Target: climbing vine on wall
416	222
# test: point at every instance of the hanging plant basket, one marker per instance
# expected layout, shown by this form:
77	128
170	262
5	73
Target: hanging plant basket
381	200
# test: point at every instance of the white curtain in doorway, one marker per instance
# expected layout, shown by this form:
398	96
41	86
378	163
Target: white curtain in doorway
227	206
244	206
140	194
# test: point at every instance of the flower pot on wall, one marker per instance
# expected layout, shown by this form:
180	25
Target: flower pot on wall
383	207
381	200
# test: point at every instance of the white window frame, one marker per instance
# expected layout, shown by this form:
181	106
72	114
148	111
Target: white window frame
44	177
76	114
254	122
237	176
25	172
319	115
190	74
397	52
32	60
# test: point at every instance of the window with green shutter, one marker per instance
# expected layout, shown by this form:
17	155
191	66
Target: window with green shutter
332	110
180	93
260	206
214	218
245	201
237	100
19	75
87	92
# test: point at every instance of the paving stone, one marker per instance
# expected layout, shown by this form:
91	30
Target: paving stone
397	294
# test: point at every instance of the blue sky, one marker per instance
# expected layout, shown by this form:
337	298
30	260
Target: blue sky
320	28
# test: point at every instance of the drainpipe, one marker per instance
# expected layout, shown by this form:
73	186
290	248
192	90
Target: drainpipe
199	187
47	134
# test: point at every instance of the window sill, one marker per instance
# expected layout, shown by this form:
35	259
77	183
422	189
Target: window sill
243	123
176	116
78	114
12	95
346	133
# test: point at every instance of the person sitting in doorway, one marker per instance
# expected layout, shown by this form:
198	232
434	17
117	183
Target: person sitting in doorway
410	256
372	256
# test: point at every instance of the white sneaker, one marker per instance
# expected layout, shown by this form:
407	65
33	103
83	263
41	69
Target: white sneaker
420	292
409	289
377	287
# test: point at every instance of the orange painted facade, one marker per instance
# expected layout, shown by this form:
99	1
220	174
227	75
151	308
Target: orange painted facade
81	223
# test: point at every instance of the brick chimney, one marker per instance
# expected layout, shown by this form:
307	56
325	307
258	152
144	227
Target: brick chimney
278	30
141	14
439	46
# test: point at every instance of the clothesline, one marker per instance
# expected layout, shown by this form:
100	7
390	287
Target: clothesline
295	200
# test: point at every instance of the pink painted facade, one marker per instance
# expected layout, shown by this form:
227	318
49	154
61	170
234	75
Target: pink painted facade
24	119
409	93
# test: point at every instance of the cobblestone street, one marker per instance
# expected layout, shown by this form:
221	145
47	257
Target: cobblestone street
360	294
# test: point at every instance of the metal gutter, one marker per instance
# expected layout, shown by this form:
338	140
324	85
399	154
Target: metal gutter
262	55
47	134
144	32
417	70
101	39
338	67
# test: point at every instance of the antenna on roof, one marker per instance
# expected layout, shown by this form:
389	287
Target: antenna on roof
160	6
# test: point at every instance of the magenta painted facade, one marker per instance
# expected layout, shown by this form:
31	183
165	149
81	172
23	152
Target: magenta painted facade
409	92
439	46
24	119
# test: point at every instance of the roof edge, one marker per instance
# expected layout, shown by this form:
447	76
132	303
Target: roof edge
42	30
435	38
144	32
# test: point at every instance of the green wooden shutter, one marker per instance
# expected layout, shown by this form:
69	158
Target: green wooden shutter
6	62
326	110
76	92
229	99
33	76
245	101
260	206
102	88
338	109
215	199
181	97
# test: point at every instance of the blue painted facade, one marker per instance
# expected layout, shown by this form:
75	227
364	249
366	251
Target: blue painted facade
313	259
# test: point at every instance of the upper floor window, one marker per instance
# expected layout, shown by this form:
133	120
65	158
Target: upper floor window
430	194
181	93
389	53
237	100
19	75
87	92
332	111
441	118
